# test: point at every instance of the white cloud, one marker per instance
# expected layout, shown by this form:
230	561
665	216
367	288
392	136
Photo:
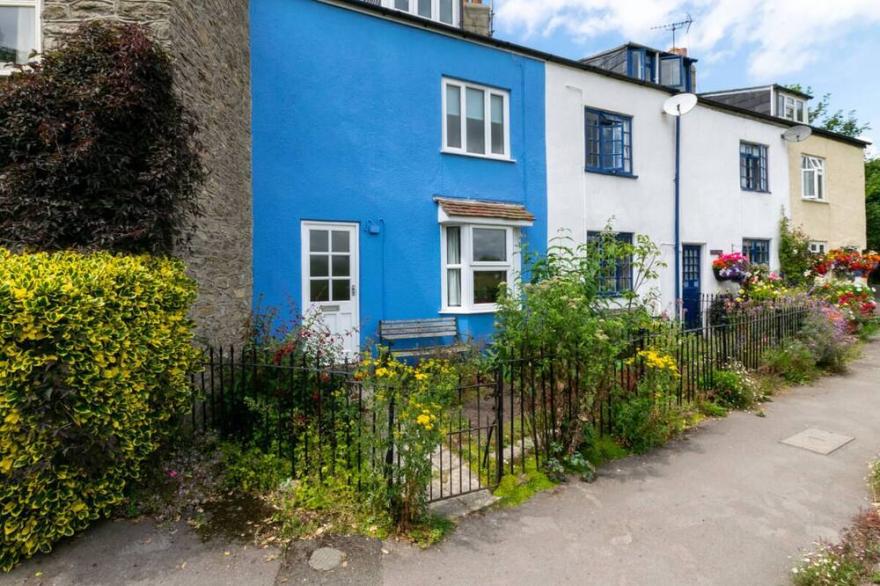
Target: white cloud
779	37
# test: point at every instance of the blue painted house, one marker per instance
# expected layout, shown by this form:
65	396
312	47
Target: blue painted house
397	167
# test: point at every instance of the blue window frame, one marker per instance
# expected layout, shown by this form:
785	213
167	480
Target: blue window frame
616	279
678	72
757	251
753	167
640	64
609	142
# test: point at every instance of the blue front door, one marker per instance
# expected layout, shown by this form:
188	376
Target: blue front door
691	285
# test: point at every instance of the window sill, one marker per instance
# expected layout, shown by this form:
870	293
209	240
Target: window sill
473	310
814	200
497	158
756	192
611	173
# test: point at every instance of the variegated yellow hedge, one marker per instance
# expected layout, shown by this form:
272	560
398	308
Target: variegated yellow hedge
94	355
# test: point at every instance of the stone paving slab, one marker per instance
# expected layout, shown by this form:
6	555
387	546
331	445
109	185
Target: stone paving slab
818	441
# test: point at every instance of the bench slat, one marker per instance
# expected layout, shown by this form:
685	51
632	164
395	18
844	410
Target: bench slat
417	329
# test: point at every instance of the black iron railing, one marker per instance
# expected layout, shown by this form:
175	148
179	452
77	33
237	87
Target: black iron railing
325	421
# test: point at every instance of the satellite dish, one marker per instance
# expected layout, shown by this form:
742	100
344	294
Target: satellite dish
797	133
680	104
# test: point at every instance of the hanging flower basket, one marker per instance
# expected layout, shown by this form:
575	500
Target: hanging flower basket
732	267
846	263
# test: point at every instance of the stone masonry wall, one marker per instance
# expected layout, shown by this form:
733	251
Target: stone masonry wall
209	42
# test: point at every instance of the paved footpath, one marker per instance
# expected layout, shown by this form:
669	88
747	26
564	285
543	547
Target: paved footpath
728	504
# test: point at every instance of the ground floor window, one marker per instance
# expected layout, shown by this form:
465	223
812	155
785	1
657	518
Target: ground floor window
757	251
19	31
818	247
617	278
477	261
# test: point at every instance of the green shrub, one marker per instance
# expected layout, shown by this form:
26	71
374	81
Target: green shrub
253	471
94	358
734	388
825	332
793	361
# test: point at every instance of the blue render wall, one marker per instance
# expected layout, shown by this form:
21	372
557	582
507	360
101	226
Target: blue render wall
347	127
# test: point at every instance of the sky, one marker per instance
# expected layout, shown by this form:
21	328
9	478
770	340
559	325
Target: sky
829	45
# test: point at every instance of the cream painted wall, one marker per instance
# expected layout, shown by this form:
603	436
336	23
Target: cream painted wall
716	213
839	220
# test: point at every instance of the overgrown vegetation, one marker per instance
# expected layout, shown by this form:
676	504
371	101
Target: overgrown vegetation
855	560
795	259
96	150
95	352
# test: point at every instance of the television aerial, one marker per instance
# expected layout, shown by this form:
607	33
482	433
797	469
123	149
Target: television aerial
797	133
675	26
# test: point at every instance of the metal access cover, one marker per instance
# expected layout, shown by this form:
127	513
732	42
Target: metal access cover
818	441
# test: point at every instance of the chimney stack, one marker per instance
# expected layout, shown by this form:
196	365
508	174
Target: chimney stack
476	17
680	51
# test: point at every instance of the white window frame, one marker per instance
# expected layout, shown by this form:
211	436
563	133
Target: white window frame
818	247
820	186
435	10
37	5
468	266
794	102
487	119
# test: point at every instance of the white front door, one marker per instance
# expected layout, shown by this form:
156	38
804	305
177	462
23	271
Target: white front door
330	278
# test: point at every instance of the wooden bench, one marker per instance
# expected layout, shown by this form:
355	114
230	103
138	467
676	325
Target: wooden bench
415	329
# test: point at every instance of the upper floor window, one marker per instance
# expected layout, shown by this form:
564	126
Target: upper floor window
642	65
792	108
19	31
477	262
678	72
609	142
812	177
445	11
757	251
753	167
617	277
476	120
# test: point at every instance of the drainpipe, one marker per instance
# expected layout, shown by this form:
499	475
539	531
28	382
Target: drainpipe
677	212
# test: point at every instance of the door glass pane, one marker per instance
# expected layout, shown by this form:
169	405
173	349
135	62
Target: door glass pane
17	33
425	8
340	241
497	103
453	116
341	290
486	285
490	245
453	286
453	245
446	11
341	265
319	290
319	240
476	121
318	266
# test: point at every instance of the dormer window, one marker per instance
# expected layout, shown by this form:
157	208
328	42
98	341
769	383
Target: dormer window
445	11
642	64
792	108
